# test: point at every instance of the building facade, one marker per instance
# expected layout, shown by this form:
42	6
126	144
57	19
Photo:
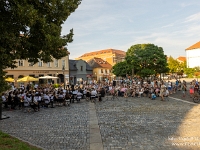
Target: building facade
193	55
79	71
101	70
112	56
58	68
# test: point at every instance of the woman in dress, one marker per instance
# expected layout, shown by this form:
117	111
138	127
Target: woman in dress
162	90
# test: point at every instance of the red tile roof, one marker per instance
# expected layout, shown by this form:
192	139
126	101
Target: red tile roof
195	46
100	63
181	58
104	51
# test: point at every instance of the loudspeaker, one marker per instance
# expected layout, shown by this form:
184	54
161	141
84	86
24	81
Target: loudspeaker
114	83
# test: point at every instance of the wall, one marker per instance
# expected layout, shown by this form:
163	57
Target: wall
193	58
37	71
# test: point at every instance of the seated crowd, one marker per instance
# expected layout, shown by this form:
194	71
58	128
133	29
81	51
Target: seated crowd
49	96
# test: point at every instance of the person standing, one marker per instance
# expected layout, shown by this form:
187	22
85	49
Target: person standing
4	100
196	89
162	90
184	88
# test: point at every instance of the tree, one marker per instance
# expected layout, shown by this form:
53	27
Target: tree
147	59
121	69
173	65
189	72
31	29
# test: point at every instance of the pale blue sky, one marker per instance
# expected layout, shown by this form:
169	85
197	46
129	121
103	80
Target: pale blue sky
173	25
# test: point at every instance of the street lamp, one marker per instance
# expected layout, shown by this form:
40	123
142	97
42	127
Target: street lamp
63	69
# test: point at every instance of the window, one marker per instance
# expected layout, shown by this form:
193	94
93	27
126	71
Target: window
56	63
101	70
48	64
31	64
106	71
40	63
21	63
63	63
81	68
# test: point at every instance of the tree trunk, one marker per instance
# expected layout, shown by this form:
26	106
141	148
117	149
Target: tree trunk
0	110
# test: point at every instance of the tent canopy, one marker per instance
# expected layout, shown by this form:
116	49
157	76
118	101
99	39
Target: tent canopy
27	79
9	79
48	77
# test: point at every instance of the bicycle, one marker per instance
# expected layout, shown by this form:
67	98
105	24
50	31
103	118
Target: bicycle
196	98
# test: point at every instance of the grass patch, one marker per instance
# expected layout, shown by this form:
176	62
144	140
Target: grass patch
8	142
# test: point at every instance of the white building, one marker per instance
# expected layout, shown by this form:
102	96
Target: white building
193	55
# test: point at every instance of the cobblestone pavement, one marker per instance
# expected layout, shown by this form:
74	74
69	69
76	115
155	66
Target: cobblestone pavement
125	124
141	123
53	128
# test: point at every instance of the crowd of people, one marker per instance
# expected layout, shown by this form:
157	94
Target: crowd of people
47	96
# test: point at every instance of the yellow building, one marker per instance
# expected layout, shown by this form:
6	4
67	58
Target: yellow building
58	68
112	56
101	69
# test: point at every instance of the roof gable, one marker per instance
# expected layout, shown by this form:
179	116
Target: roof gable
72	65
99	63
195	46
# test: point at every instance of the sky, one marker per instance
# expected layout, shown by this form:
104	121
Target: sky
173	25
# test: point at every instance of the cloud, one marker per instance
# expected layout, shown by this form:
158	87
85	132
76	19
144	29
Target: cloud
192	18
169	25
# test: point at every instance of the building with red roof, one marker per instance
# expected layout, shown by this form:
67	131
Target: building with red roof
193	55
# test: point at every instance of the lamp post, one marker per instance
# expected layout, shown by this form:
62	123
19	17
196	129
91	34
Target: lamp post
63	69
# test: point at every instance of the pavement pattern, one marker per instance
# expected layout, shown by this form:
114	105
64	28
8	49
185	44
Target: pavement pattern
113	124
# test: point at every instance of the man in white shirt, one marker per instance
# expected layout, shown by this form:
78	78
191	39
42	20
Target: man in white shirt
79	96
93	94
46	100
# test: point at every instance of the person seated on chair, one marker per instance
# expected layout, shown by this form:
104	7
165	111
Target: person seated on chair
146	91
84	92
74	92
93	94
67	99
141	91
88	94
36	101
32	102
110	88
27	100
79	96
166	94
46	99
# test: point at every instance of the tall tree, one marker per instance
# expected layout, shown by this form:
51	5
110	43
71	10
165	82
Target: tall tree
147	59
31	29
121	69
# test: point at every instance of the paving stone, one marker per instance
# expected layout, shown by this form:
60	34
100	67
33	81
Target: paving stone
124	124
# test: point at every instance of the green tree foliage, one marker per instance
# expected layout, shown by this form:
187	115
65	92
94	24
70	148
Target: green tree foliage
31	29
121	69
147	59
189	72
173	65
